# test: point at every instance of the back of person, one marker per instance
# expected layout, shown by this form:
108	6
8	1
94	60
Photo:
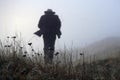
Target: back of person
50	23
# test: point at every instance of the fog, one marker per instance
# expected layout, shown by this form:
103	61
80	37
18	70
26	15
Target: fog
83	21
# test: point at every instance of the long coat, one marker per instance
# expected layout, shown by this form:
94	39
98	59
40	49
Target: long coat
49	24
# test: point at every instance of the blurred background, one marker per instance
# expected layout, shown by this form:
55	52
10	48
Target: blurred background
83	21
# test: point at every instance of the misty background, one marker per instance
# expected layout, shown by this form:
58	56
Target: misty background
83	21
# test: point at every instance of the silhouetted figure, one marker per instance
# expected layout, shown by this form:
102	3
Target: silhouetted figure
49	25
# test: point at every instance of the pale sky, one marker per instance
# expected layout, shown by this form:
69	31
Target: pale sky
83	21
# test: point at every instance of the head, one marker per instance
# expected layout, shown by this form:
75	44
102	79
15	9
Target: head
49	11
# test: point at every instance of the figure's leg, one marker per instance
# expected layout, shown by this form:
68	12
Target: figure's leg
51	46
46	47
49	43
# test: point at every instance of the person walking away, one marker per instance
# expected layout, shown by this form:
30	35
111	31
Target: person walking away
49	25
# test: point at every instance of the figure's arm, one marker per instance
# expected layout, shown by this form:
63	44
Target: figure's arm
58	23
58	27
40	24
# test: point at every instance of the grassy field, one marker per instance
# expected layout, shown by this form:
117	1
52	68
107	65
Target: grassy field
16	63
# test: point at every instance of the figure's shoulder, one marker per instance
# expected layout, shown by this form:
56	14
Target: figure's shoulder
56	16
43	15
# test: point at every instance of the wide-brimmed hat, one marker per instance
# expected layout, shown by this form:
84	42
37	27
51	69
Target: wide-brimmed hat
49	11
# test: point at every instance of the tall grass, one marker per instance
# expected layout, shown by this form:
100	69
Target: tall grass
16	63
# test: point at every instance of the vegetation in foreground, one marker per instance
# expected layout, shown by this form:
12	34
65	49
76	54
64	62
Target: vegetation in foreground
18	64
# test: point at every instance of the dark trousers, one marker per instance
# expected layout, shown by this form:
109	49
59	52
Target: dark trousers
49	47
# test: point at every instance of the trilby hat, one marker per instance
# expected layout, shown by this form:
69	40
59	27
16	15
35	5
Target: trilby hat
49	11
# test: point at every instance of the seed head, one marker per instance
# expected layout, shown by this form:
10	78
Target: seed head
38	54
14	37
24	55
56	53
81	54
29	44
21	47
8	37
32	55
32	49
25	52
9	45
6	46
